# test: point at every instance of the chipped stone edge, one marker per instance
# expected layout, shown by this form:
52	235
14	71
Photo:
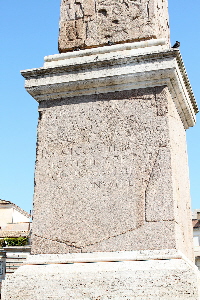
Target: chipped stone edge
115	71
105	49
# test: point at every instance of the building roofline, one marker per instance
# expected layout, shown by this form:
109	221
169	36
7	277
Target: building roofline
19	209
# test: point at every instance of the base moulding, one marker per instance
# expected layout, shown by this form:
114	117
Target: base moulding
163	274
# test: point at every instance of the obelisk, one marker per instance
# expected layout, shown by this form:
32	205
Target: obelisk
93	23
112	213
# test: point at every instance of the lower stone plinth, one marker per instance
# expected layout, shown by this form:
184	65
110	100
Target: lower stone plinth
143	275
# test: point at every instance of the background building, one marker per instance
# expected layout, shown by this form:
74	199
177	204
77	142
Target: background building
15	229
14	221
196	235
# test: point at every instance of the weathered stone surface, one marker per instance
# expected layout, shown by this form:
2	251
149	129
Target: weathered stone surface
92	23
104	174
137	275
107	176
180	181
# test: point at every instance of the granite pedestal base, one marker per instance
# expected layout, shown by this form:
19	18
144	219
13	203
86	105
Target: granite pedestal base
111	175
143	275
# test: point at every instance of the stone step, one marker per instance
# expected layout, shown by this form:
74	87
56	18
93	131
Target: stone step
14	261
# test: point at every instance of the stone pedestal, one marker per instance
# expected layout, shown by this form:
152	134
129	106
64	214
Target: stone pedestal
111	175
111	171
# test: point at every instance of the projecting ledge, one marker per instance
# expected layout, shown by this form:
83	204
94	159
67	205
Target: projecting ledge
124	68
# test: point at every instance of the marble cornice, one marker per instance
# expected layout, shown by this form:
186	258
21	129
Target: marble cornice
105	71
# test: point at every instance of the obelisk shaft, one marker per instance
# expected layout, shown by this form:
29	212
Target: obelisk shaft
93	23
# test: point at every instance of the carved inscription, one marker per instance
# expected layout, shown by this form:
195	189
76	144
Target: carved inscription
95	162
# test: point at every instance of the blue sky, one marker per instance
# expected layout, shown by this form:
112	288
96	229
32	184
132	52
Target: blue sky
28	32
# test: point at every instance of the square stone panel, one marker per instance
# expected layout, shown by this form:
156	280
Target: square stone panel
95	158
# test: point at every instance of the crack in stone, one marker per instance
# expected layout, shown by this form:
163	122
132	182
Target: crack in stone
117	235
148	9
150	178
113	236
61	242
91	244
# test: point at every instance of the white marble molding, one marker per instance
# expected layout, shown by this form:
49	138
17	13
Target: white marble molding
115	68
